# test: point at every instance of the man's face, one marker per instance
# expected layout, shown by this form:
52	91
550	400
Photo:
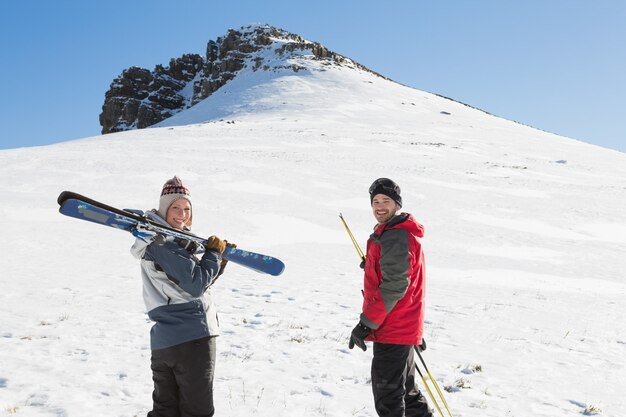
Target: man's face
384	208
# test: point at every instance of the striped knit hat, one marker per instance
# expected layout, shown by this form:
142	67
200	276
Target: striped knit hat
173	190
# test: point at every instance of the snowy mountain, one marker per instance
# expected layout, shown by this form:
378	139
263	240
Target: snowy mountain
525	241
139	98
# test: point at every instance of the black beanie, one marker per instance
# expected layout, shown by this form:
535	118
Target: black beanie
386	187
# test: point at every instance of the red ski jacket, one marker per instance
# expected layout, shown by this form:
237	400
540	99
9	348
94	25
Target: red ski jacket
394	282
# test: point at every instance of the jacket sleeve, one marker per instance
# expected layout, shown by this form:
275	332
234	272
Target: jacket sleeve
394	268
191	275
138	249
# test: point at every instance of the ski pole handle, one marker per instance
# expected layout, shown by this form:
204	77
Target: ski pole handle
359	252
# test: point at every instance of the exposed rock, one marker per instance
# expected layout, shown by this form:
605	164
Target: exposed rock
139	98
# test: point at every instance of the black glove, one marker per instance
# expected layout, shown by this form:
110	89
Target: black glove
422	347
189	245
359	333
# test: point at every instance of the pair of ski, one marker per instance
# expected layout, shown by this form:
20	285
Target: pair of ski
84	208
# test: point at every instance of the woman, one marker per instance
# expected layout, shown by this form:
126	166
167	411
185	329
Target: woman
177	294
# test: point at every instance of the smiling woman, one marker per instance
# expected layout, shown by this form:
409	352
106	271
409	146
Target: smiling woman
179	214
177	294
175	194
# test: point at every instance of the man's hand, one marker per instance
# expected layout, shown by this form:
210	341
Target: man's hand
359	333
422	347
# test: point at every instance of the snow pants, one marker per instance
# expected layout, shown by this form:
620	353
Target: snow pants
183	379
393	382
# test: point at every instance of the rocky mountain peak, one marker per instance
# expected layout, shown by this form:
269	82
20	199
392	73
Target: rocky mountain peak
139	98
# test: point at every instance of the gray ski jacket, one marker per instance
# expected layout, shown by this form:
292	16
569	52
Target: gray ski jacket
176	290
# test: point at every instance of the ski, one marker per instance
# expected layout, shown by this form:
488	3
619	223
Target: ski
84	208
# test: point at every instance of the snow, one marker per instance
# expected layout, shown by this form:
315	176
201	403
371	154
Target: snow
525	253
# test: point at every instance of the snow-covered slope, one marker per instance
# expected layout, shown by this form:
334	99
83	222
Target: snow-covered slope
525	241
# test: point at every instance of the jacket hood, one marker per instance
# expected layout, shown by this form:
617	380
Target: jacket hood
403	221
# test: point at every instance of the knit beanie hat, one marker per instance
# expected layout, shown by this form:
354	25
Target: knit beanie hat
173	190
386	187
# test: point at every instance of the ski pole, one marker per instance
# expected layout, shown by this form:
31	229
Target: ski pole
354	242
430	393
433	380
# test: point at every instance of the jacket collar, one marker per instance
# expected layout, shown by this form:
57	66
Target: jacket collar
402	220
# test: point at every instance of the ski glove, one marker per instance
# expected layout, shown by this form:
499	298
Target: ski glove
216	244
422	347
359	333
189	245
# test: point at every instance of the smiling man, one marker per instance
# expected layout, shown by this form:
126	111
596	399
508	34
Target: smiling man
393	304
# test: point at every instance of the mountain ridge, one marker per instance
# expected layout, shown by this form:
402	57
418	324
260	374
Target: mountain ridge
139	98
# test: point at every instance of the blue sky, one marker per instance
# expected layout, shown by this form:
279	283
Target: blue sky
557	65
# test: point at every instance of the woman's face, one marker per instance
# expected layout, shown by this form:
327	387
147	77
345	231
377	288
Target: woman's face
179	213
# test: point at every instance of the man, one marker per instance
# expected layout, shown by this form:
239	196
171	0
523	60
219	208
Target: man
393	304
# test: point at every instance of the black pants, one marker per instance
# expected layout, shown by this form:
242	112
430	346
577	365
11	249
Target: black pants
393	382
183	379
